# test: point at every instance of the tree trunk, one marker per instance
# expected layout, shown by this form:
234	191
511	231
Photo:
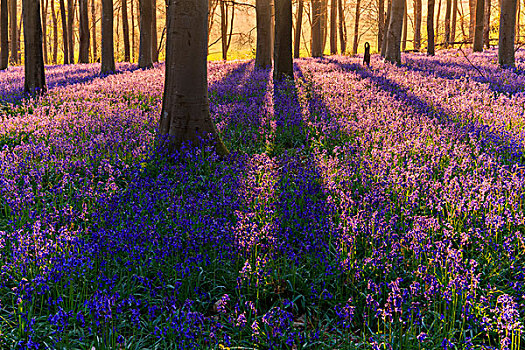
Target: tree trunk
94	30
263	53
333	27
44	28
154	43
324	23
486	25
453	23
185	113
145	60
478	32
35	81
13	33
317	39
381	23
133	48
55	32
107	59
518	23
342	27
83	52
298	25
438	17
356	26
448	12
472	23
64	31
387	25
125	30
507	33
224	29
282	54
405	29
4	37
70	18
430	28
393	44
417	23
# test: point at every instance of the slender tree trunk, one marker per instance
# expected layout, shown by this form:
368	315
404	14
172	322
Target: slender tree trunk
55	32
154	43
64	31
430	28
35	81
224	29
263	14
324	23
125	30
342	27
107	59
486	25
448	12
133	48
317	39
507	33
44	28
356	26
405	29
478	32
393	45
4	37
387	26
70	20
298	26
333	27
472	23
438	17
185	113
145	60
282	54
381	23
518	16
461	13
13	33
453	23
83	52
417	23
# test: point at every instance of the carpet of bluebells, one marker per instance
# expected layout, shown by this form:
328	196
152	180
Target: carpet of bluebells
360	208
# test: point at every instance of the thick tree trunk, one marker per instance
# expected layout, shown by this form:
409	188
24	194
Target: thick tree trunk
507	33
518	23
35	81
387	25
342	27
478	32
393	45
298	26
381	23
107	59
430	28
145	60
185	113
317	39
154	43
453	23
64	31
486	25
472	22
70	19
417	24
448	12
405	29
263	14
83	52
13	32
356	26
125	30
4	37
44	28
55	32
282	54
333	27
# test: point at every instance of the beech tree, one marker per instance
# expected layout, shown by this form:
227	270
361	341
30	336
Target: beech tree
263	14
282	53
381	23
430	27
70	18
4	37
448	12
317	39
125	30
486	25
44	27
154	48
333	27
55	32
507	22
185	113
342	27
145	60
356	27
453	21
393	44
417	24
34	78
478	31
298	26
94	30
387	25
64	32
107	52
13	32
83	52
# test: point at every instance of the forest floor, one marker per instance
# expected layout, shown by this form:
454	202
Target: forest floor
360	208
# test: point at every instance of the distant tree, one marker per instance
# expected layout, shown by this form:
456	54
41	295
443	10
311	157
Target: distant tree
381	23
107	52
317	39
417	24
393	44
154	43
448	12
13	32
125	30
83	53
94	30
263	14
34	78
324	24
387	25
472	22
185	113
225	37
145	60
44	6
507	33
55	32
64	32
282	53
405	28
333	27
342	27
478	32
356	26
298	26
453	21
70	20
430	28
486	25
4	37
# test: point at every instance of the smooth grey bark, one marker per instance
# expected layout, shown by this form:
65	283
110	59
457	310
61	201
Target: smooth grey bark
356	26
317	39
125	30
393	44
282	53
486	25
83	51
70	18
417	24
4	36
145	60
387	25
34	77
333	27
380	23
263	14
65	45
107	58
478	30
507	22
185	113
154	43
342	27
298	28
430	27
13	32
